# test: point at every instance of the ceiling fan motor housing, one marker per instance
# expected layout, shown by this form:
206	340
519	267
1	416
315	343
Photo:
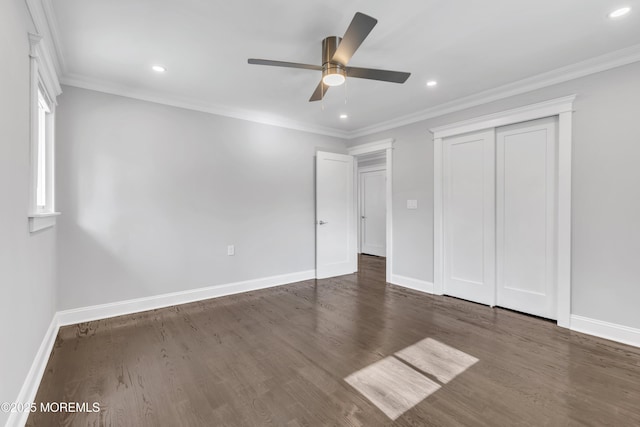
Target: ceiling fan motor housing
332	72
329	46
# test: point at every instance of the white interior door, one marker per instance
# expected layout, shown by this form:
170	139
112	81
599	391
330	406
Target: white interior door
373	207
469	216
526	229
336	252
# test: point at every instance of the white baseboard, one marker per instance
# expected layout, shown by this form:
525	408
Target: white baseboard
120	308
32	381
610	331
411	283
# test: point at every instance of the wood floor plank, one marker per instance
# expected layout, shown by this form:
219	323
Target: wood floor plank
280	357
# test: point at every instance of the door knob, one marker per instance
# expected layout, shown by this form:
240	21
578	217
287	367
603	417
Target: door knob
322	222
363	217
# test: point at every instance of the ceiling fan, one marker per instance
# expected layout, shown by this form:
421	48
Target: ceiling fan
336	53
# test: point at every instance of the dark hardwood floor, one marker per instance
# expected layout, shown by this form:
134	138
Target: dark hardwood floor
345	351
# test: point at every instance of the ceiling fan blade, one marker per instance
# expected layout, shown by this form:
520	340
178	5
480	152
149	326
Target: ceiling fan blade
284	64
358	30
383	75
320	91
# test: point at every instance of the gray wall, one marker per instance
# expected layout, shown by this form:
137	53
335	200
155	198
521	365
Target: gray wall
152	195
606	191
27	261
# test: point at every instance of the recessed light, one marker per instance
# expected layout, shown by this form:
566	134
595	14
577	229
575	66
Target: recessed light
158	68
432	83
343	116
620	12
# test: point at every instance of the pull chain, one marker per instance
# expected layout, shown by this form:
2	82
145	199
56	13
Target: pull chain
345	91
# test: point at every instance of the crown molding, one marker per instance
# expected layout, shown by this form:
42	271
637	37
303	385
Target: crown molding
598	64
191	104
54	32
594	65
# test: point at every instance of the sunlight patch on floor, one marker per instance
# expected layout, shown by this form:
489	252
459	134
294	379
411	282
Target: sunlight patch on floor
392	386
397	383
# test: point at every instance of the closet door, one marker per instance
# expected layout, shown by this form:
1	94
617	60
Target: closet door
525	217
469	216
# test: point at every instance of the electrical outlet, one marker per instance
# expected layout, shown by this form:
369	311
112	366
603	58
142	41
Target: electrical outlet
231	250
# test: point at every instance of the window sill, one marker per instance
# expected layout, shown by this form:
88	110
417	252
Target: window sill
40	221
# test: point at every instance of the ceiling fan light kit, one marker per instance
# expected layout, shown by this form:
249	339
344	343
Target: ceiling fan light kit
333	75
336	53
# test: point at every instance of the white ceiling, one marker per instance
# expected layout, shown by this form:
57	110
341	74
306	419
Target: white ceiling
468	46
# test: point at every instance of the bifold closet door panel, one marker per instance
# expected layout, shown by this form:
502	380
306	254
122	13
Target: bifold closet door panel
469	216
525	216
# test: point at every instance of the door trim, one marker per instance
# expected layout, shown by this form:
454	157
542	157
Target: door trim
561	107
382	146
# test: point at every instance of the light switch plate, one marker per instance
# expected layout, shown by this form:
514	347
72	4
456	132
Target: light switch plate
231	250
412	204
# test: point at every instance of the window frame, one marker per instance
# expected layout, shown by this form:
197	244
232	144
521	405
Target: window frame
44	88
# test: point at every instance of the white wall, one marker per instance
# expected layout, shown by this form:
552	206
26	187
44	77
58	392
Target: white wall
27	261
152	195
606	191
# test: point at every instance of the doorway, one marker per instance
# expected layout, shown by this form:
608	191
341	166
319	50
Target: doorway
374	178
337	214
372	207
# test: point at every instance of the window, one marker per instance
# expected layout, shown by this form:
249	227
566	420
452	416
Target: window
43	202
42	212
